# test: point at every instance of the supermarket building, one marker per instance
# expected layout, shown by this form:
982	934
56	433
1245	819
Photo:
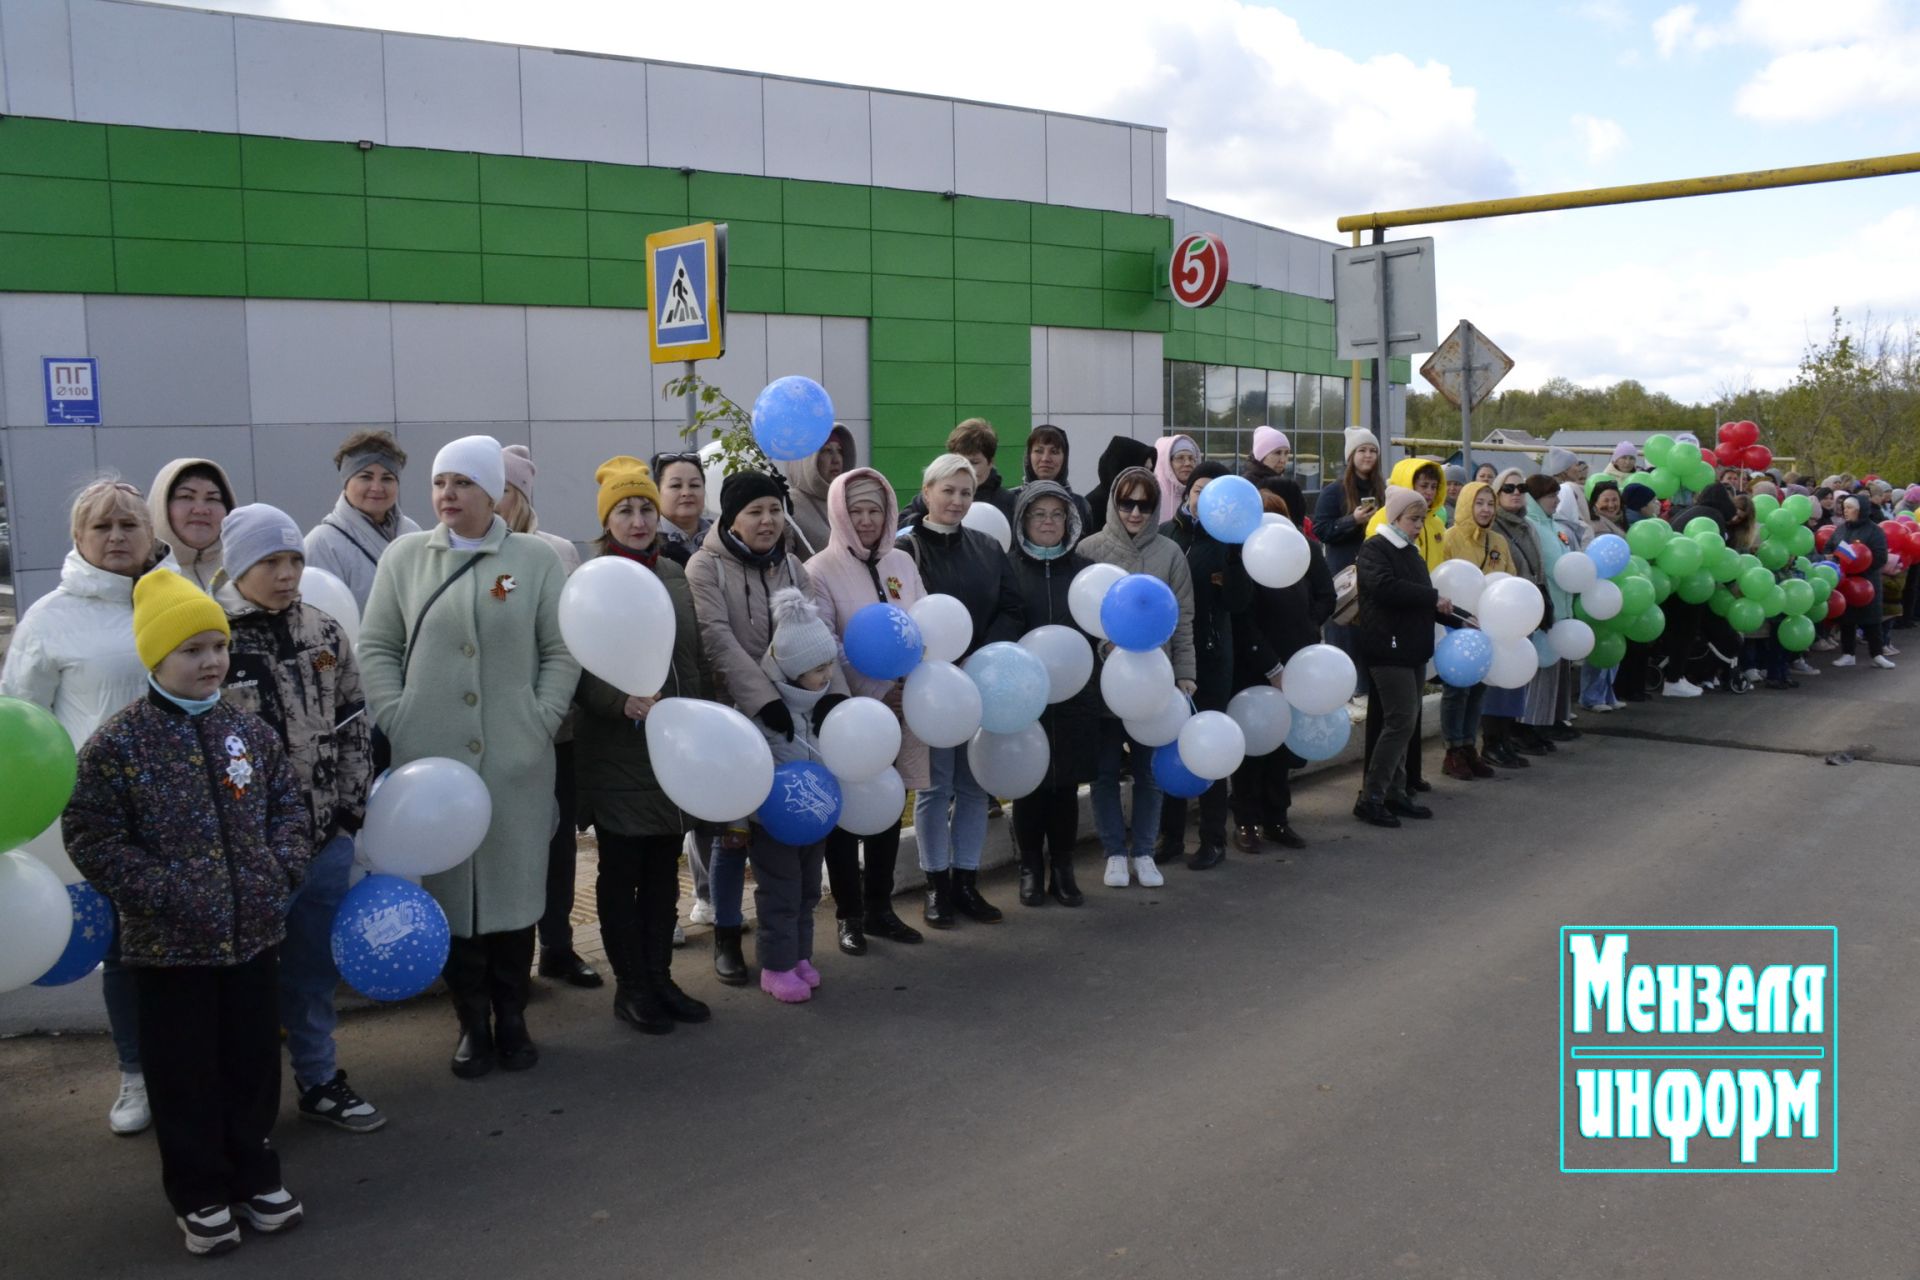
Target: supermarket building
266	233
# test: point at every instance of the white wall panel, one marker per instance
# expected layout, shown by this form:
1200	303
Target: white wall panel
1037	362
742	372
1243	249
455	95
170	361
1089	164
588	364
704	120
146	65
1303	265
578	107
1159	171
999	152
1141	173
1149	374
912	142
464	363
293	468
138	453
794	347
1087	434
319	361
46	466
422	440
819	132
301	80
34	326
567	453
1089	371
1274	266
30	584
36	58
843	350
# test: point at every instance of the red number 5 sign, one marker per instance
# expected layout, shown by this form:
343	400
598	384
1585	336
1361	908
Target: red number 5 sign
1197	272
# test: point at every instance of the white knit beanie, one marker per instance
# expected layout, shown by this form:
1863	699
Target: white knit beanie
1357	436
478	459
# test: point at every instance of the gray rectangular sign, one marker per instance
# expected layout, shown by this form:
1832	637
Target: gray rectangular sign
1411	310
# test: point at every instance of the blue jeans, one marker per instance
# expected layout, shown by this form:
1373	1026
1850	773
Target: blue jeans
307	973
1108	821
117	987
727	885
1596	686
1460	715
950	813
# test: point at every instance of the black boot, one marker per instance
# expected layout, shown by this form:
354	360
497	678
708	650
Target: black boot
881	922
466	977
642	1010
513	1042
1373	809
569	968
1209	855
938	912
1033	891
967	900
1399	802
1283	835
473	1056
728	964
1060	881
853	939
661	909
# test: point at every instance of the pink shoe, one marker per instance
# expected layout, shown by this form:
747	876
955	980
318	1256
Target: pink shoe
786	986
808	974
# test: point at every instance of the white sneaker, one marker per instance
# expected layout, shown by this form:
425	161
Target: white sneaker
130	1112
213	1229
1825	644
1890	650
1801	667
1147	872
1883	661
1844	660
271	1211
1755	674
1117	876
1682	689
702	912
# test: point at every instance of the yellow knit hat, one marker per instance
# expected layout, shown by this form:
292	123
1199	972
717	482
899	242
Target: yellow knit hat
167	611
624	477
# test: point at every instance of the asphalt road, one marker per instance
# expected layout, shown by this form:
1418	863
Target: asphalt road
1340	1065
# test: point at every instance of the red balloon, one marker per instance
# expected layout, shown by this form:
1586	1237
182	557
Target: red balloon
1854	558
1727	454
1741	433
1836	605
1758	457
1858	592
1824	537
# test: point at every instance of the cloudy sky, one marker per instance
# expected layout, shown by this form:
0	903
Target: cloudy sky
1297	111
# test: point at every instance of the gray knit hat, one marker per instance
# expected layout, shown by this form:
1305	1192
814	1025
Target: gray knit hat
801	641
1557	460
252	533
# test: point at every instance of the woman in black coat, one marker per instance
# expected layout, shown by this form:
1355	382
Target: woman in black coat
1046	824
1857	524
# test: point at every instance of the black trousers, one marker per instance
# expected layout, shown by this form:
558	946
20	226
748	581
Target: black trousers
1214	803
1376	722
638	896
1263	789
1047	823
489	974
556	926
210	1047
1677	642
858	893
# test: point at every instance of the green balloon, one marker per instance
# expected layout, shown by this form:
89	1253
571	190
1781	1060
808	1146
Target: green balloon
1681	556
1658	451
1636	594
1701	525
1755	581
39	766
1795	634
1764	505
1800	541
1802	566
1745	615
1636	567
1608	651
1797	595
1720	601
1818	609
1724	564
1646	537
1781	524
1647	627
1748	560
1773	601
1662	584
1696	587
1699	475
1828	576
1773	555
1663	482
1799	506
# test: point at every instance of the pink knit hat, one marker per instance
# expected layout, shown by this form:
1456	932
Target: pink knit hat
1266	440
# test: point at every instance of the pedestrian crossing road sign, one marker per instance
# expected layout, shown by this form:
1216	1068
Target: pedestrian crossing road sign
687	286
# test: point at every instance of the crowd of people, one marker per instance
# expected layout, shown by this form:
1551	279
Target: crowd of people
229	733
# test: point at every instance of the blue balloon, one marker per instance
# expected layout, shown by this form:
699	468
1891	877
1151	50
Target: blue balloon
1609	553
1171	772
803	805
1229	508
390	938
1012	683
1463	657
792	418
1319	737
93	927
883	641
1139	612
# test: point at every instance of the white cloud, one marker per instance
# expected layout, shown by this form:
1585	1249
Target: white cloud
1602	137
1825	60
1787	25
1676	27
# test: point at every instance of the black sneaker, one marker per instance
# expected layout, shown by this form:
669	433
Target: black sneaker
336	1103
271	1211
210	1230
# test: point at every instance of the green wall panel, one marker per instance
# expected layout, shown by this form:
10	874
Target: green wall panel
753	289
534	281
826	248
56	264
542	233
914	340
1060	225
927	212
170	155
912	298
555	184
55	206
980	342
1064	265
616	284
180	266
305	271
991	260
282	217
321	168
725	196
913	382
984	219
53	148
155	212
826	204
829	293
630	189
907	253
988	300
423	175
405	275
444	225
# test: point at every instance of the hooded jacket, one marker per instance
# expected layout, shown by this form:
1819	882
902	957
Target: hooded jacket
1715	502
733	603
1071	726
969	566
1555	542
349	546
1172	492
296	671
197	567
1433	533
808	489
1397	601
1121	453
1867	532
1078	503
1221	591
1149	551
1485	549
846	578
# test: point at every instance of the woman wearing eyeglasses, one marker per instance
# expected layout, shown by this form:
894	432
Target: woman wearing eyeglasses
683	504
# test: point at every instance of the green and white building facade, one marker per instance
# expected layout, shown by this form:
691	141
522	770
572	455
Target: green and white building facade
267	233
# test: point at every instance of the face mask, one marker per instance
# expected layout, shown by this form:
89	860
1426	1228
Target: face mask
192	706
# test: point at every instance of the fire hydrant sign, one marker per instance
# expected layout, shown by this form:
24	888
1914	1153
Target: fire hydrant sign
73	391
687	286
1197	272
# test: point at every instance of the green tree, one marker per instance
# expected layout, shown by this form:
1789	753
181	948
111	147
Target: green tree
1854	405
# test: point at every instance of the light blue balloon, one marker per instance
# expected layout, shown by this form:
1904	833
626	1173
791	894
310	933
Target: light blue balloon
87	945
1229	508
1013	686
1463	657
1139	612
1610	554
792	418
1543	650
803	805
390	938
1319	737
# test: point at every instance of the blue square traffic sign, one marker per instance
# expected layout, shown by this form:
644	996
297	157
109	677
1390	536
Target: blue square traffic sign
73	391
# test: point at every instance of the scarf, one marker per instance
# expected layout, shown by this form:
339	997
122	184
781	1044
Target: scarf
192	706
762	560
1524	543
614	547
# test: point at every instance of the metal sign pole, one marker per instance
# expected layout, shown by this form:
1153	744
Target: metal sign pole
1380	357
1466	400
692	400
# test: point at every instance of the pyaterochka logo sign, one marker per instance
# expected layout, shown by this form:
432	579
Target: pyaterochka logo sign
1699	1049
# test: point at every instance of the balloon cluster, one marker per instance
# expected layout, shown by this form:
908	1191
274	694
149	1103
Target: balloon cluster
50	933
1740	446
1677	465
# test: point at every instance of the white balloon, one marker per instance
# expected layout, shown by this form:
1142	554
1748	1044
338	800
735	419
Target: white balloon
1602	599
1163	726
51	849
876	805
427	816
712	762
1460	582
1067	656
1090	587
1498	575
1514	663
1510	609
1318	679
1571	638
617	620
1264	717
1276	555
942	703
1211	744
1135	685
36	919
990	520
945	625
1009	765
1575	572
859	739
330	596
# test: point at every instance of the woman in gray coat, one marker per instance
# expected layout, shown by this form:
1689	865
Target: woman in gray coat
349	540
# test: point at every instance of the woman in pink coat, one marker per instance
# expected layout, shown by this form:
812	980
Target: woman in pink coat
861	566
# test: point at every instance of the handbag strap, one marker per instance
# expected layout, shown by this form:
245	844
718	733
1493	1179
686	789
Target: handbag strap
413	637
371	558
